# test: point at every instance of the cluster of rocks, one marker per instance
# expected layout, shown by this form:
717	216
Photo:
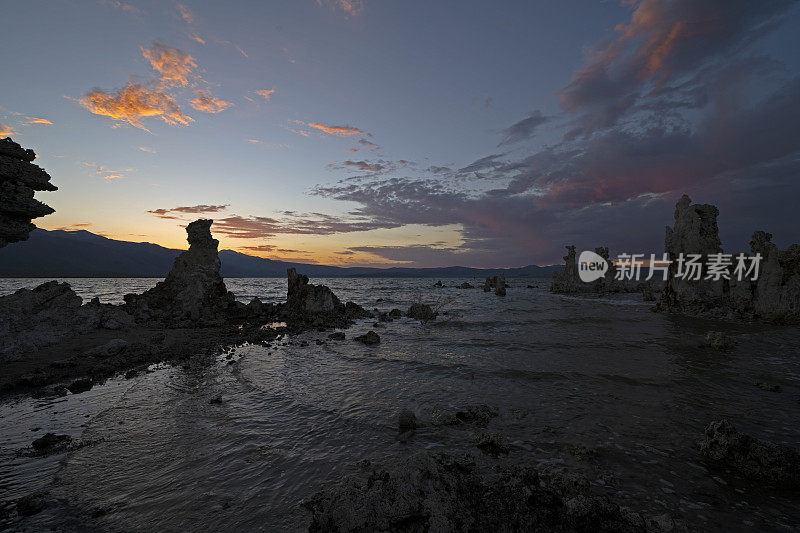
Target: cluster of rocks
727	448
34	318
439	492
496	283
567	280
19	180
774	296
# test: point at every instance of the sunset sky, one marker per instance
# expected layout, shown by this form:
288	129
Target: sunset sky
420	133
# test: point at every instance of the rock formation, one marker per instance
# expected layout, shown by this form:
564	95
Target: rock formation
460	493
726	447
193	294
317	305
34	318
19	180
774	296
420	311
568	281
496	283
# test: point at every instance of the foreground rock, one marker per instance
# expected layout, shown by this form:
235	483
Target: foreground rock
34	318
193	294
725	447
773	297
461	493
420	311
317	305
369	338
19	180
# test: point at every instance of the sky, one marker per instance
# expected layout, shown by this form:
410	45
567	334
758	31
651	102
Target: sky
414	133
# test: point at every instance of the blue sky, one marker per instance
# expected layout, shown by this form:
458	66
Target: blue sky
420	133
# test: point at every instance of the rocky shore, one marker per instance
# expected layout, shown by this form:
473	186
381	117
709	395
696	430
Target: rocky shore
48	336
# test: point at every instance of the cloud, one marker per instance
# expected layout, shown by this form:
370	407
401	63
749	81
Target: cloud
266	94
364	166
207	103
147	149
186	14
34	120
524	129
106	173
368	144
174	66
350	7
341	131
292	223
187	210
128	8
133	103
6	130
195	37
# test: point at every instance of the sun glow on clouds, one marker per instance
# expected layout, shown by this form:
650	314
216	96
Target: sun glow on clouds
134	102
175	66
6	130
207	103
266	94
341	131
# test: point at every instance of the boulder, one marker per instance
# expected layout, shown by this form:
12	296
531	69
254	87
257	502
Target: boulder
369	338
193	294
19	181
725	447
420	311
492	443
303	297
466	285
406	420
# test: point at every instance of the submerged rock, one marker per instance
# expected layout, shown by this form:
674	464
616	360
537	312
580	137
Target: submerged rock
719	340
406	420
466	285
492	443
32	504
194	293
80	385
368	338
479	414
109	349
19	181
337	336
446	493
51	443
726	447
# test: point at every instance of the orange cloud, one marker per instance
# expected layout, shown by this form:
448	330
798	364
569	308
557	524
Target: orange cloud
196	37
351	7
341	131
35	120
147	149
134	102
187	16
6	130
207	103
175	66
106	173
265	93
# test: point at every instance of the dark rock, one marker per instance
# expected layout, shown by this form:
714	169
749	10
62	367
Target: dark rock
478	415
19	181
50	443
80	385
420	311
32	504
369	338
768	387
109	349
496	283
442	416
216	400
719	340
466	285
758	460
395	313
492	443
337	336
406	420
438	284
303	297
444	493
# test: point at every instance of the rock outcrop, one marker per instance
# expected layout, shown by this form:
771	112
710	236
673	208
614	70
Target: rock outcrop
19	180
726	447
460	493
496	283
420	311
193	294
567	280
774	296
317	305
34	318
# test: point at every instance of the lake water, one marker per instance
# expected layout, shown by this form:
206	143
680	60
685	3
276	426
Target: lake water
605	378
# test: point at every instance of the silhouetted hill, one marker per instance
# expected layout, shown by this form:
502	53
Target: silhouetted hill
57	254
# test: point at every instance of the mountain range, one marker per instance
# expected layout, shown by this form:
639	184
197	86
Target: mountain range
64	254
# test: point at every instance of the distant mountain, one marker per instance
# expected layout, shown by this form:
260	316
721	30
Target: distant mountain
65	254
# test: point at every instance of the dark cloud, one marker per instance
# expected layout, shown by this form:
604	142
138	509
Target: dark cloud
524	129
364	166
187	210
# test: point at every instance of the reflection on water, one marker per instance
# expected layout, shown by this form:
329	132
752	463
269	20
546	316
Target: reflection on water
604	386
